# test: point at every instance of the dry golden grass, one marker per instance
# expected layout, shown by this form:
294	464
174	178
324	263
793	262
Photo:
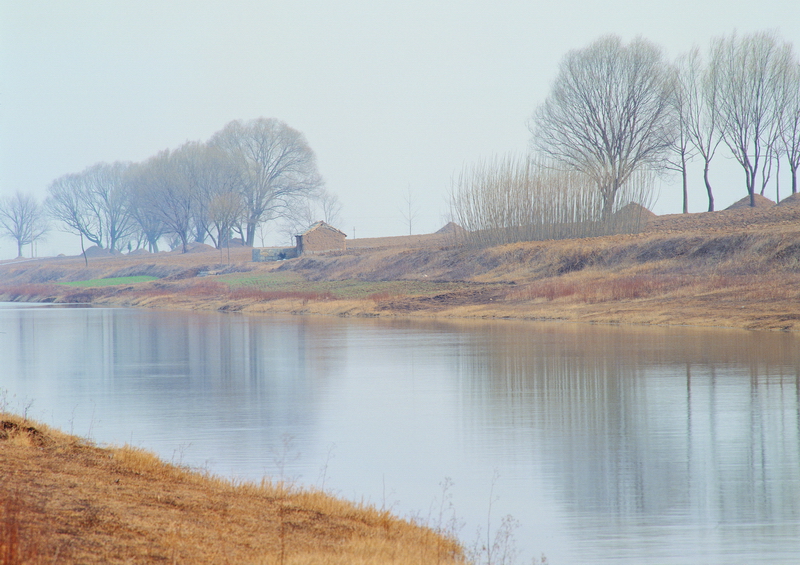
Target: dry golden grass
65	500
735	268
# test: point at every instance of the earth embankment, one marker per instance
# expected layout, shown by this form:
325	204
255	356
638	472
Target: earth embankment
734	268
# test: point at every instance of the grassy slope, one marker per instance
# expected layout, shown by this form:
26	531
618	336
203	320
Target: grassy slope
737	268
65	500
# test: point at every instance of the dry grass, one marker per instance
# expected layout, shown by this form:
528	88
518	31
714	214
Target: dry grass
736	268
65	500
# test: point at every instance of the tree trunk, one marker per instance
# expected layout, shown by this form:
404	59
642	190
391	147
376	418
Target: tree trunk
685	187
751	187
708	188
83	251
251	234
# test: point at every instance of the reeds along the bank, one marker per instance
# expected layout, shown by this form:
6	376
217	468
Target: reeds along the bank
518	199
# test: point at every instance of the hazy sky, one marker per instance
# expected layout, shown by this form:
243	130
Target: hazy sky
392	96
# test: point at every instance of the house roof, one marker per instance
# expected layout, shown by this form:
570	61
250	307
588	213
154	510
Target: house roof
321	224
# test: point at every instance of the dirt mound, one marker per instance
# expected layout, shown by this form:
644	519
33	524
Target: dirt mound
792	200
635	210
195	247
451	228
760	202
95	251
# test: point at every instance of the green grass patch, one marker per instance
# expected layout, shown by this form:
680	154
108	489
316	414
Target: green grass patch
356	289
112	281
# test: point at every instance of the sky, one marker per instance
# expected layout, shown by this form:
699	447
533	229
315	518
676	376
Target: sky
395	98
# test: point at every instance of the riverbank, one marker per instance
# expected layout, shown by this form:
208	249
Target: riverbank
65	500
734	268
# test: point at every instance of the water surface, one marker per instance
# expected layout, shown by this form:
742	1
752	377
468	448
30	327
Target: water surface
606	444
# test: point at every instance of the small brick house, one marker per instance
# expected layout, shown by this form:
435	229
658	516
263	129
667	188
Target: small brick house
320	238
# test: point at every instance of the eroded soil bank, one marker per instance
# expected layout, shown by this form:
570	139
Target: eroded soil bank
735	268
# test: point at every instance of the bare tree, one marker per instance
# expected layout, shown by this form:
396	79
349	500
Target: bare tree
410	209
609	113
275	164
218	205
701	87
224	210
94	203
751	69
682	149
23	219
518	199
109	192
149	227
330	206
70	202
321	205
164	192
790	123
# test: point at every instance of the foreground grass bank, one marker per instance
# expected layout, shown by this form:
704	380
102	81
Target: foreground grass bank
65	500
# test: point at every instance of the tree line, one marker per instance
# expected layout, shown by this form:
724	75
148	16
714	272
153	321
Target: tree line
246	175
616	111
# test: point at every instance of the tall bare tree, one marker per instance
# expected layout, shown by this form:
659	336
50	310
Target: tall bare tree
790	122
70	202
23	219
164	191
94	203
701	87
213	178
682	149
149	226
108	190
609	113
276	167
750	70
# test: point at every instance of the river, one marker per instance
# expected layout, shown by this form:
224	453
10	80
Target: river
584	443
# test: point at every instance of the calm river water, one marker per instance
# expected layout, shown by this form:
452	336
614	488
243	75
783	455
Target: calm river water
605	444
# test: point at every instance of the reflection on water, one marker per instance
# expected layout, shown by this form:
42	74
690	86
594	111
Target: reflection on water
607	444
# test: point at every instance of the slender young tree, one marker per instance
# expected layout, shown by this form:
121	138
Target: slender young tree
609	113
750	70
790	123
682	149
409	210
23	219
701	112
321	205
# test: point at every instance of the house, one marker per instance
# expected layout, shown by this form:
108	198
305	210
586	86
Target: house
319	238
